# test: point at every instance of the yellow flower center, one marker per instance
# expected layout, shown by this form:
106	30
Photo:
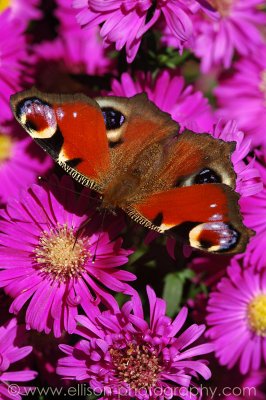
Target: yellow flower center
5	148
257	314
262	85
4	4
222	6
137	365
60	254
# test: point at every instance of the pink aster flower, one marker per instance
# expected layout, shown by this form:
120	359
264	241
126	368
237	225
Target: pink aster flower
237	316
254	212
66	16
81	50
255	252
122	354
11	336
169	92
243	96
22	10
125	22
69	55
13	53
21	162
168	39
46	266
237	29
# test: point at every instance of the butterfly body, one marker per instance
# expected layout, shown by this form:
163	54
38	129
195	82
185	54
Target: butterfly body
133	154
135	178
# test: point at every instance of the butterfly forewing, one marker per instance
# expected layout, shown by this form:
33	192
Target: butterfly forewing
70	128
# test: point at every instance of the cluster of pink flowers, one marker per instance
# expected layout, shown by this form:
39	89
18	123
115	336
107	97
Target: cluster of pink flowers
74	283
125	22
124	355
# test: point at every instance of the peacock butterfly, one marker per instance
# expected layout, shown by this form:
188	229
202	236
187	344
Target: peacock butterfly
133	154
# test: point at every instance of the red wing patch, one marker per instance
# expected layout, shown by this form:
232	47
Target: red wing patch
83	129
208	213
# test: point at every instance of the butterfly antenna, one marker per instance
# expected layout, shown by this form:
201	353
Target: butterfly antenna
99	237
80	230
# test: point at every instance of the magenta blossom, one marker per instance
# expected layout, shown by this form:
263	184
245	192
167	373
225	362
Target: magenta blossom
243	96
254	212
255	252
75	53
52	269
12	54
169	92
122	354
81	50
236	30
23	11
21	162
237	316
125	22
10	352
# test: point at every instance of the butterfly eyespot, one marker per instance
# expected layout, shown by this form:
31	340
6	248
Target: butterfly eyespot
28	104
207	176
37	116
113	119
31	125
214	236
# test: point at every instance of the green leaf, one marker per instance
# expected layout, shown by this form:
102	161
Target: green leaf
121	299
172	292
140	251
196	289
173	289
186	274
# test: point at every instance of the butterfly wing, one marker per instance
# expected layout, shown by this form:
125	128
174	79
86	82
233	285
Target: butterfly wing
170	182
136	124
206	215
197	202
70	128
142	120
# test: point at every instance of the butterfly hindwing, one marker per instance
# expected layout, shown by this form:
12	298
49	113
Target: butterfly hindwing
70	128
206	214
198	158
